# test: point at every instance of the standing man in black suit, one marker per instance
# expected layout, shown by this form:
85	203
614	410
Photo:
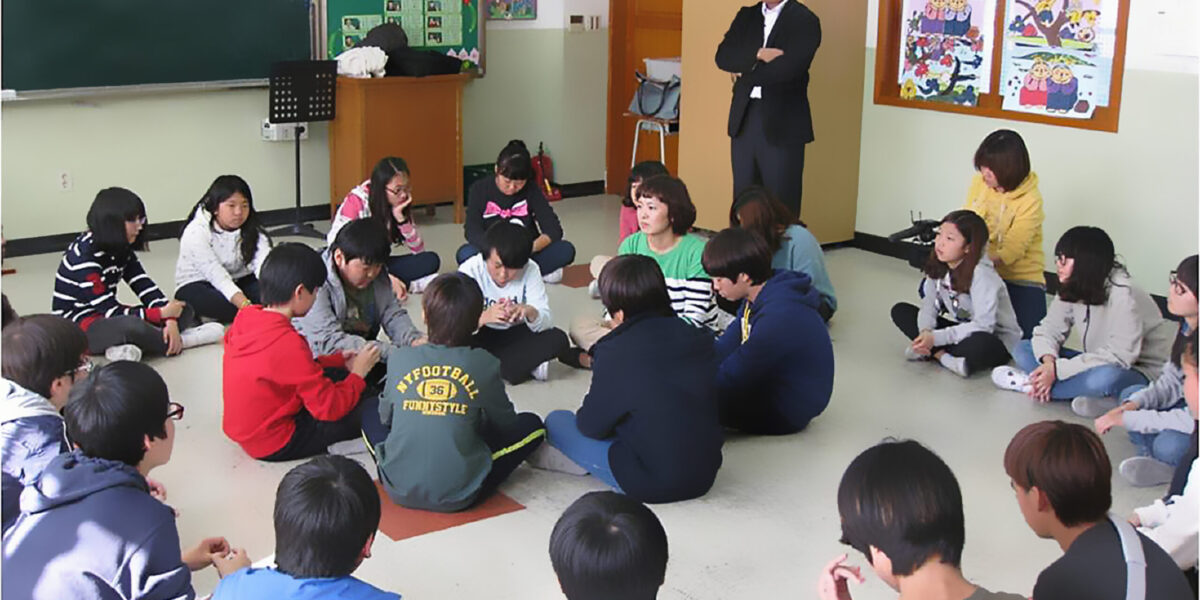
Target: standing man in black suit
768	48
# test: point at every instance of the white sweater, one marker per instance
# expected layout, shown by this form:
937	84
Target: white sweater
209	253
1172	524
528	289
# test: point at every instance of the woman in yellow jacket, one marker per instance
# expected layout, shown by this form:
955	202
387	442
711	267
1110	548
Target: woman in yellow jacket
1005	193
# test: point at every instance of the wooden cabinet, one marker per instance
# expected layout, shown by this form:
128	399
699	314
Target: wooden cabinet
418	119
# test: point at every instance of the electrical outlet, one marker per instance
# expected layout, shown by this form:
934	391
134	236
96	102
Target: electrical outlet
277	132
63	181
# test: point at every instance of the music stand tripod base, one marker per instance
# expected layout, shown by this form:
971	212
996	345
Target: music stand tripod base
300	92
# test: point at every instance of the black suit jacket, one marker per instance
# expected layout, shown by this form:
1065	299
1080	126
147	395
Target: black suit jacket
784	80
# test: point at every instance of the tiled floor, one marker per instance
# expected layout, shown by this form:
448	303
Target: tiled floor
765	529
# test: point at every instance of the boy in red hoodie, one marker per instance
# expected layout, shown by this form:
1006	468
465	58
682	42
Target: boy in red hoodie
279	403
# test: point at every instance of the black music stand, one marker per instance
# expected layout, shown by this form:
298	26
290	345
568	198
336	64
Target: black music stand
300	92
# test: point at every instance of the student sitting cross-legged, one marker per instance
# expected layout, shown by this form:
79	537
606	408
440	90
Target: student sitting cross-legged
42	357
279	403
901	507
326	514
446	435
1062	479
607	545
89	526
648	425
776	357
966	320
516	325
356	302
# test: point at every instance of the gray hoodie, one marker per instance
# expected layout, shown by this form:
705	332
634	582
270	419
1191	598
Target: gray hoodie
985	308
1160	404
322	326
1127	331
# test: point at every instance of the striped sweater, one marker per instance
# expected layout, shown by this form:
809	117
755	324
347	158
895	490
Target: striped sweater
85	286
356	206
689	287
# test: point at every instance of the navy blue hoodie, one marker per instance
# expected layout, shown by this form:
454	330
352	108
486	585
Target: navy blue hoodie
787	360
652	390
89	528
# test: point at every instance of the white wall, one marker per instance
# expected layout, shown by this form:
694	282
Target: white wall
1140	184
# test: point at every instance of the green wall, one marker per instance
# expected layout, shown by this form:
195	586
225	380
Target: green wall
542	85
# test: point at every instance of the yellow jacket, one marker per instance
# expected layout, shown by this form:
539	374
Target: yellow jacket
1014	221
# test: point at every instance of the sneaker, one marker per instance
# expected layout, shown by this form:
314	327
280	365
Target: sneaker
208	333
1008	378
1143	471
910	354
348	447
594	289
542	372
419	285
1092	407
128	352
554	276
954	364
549	458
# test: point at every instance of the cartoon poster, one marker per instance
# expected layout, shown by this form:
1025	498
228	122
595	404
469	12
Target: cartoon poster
1057	56
947	50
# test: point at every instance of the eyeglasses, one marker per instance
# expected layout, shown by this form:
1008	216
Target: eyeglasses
139	220
1061	260
1176	285
400	190
174	411
86	367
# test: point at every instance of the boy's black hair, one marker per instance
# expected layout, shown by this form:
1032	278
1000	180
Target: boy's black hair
37	349
607	545
1003	151
901	498
452	304
325	511
511	242
364	239
634	284
736	250
377	199
219	191
288	265
110	413
514	161
1095	258
674	193
641	172
106	219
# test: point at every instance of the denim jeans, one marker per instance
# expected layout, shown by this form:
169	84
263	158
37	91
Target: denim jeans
588	453
1167	446
1107	381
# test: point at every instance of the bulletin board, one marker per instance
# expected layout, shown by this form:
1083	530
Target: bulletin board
451	27
1057	62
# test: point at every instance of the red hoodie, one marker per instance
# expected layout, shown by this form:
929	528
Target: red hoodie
270	374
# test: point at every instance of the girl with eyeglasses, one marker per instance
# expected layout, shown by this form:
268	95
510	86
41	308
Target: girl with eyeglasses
1155	416
1124	338
387	198
966	321
85	287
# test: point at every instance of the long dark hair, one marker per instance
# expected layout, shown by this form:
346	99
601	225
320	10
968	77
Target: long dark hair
221	189
1095	259
758	210
974	231
377	200
641	172
106	219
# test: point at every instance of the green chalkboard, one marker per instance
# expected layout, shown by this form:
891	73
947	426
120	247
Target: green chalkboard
60	44
447	26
